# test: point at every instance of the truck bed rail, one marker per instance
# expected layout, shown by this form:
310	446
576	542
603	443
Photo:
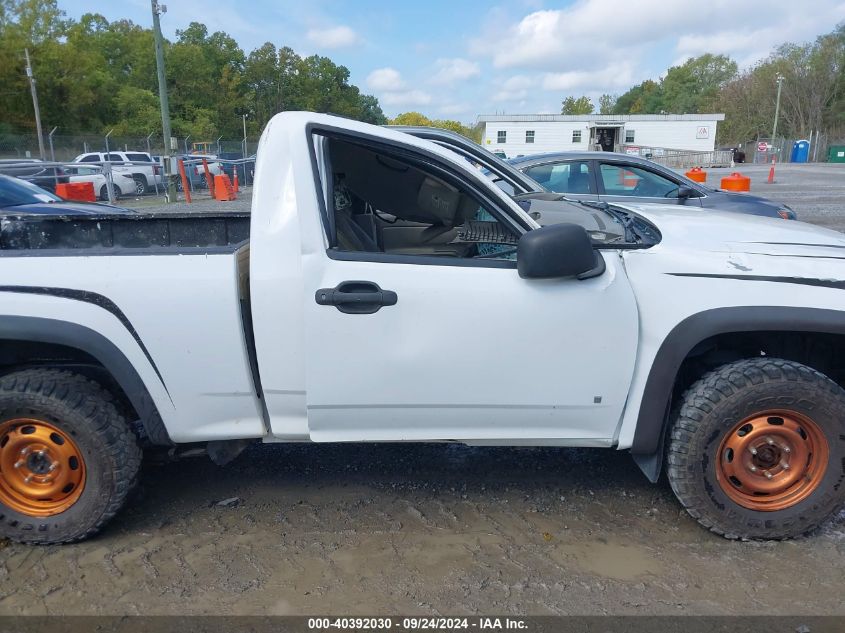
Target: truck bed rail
124	234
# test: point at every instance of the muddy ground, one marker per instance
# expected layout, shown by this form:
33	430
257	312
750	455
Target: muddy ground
430	529
435	529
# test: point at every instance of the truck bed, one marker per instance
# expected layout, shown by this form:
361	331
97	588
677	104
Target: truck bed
165	232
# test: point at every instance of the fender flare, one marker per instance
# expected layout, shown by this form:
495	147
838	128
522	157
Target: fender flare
653	419
81	338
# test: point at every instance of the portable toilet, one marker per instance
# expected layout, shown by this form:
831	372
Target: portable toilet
836	154
800	151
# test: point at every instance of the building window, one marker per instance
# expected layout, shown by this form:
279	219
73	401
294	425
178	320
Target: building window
501	136
529	136
576	136
629	136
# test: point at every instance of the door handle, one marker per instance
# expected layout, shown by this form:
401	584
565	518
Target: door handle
356	297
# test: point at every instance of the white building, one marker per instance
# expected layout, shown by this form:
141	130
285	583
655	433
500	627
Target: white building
525	134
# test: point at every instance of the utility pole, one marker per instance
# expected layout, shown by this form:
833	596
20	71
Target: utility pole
31	78
244	118
162	95
777	109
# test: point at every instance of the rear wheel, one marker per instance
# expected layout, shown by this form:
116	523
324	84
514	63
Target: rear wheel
758	449
104	192
67	457
140	185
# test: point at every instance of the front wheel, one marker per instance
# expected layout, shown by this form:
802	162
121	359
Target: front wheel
68	459
757	450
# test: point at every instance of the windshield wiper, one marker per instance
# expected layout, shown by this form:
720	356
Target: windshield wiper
632	235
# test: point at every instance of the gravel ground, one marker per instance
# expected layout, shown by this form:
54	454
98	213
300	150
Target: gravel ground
816	192
430	529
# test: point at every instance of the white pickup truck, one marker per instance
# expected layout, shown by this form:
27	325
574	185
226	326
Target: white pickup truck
387	290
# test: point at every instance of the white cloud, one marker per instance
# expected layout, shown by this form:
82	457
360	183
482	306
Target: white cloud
454	70
406	98
613	76
514	88
607	45
385	79
333	37
392	90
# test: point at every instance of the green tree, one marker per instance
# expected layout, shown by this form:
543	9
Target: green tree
581	105
606	104
686	88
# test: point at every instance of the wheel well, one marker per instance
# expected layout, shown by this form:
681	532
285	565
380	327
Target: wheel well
16	355
822	351
706	340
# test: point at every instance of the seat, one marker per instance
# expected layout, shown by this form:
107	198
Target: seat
579	182
350	236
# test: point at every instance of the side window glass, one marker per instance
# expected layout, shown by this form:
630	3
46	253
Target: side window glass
91	158
628	180
571	177
381	203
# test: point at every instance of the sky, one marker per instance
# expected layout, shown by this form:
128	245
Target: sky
461	58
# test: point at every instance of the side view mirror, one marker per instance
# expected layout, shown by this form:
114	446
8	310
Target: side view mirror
685	192
558	250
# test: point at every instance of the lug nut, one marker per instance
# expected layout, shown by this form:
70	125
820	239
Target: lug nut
769	441
753	469
19	463
54	466
28	478
768	474
784	465
786	449
753	450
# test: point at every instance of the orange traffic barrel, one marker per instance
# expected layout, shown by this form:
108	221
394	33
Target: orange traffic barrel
223	189
697	174
736	182
77	191
628	179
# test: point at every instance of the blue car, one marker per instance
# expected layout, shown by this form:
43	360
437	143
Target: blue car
19	197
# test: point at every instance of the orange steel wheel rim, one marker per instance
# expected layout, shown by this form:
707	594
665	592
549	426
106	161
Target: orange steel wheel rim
42	471
772	460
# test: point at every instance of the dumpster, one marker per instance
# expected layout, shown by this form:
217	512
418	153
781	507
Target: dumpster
800	151
836	154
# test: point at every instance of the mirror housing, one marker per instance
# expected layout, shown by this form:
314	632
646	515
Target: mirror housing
556	251
685	192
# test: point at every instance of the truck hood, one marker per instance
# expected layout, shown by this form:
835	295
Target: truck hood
720	231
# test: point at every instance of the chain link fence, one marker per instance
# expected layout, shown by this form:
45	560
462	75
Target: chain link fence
62	148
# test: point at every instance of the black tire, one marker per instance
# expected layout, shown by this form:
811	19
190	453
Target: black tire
708	417
84	411
140	184
104	192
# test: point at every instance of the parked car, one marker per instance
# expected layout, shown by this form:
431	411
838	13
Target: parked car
389	291
246	170
144	170
19	197
614	177
35	171
123	183
195	171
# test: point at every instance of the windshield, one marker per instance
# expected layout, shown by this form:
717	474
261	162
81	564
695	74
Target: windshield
14	191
